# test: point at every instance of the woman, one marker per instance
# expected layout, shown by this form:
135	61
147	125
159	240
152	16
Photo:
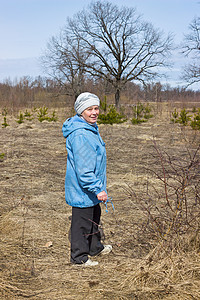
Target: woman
85	181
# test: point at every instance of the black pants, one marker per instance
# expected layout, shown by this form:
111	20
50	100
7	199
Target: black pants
85	235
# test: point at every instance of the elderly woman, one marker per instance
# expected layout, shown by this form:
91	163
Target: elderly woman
85	181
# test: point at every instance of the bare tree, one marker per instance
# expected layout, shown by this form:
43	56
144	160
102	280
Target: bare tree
121	46
191	49
110	43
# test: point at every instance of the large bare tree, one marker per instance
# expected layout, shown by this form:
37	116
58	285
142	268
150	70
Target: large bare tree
191	49
118	46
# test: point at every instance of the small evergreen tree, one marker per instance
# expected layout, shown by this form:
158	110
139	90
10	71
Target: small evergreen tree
112	117
195	123
20	118
141	113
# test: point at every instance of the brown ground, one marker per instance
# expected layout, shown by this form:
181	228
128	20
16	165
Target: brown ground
34	212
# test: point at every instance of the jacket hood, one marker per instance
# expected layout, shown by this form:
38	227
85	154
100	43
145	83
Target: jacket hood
75	123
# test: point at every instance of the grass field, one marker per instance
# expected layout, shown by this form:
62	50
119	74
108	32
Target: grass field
34	223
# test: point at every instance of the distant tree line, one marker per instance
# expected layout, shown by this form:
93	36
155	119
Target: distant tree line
33	92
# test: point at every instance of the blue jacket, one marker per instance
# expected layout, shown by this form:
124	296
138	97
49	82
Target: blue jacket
86	163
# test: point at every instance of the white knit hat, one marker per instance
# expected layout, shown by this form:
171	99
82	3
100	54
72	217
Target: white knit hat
84	101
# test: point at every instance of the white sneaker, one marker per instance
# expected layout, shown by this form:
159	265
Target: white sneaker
106	250
90	263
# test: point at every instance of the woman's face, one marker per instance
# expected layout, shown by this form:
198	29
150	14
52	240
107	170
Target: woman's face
91	113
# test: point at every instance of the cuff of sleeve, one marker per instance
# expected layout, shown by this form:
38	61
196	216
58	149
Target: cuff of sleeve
98	191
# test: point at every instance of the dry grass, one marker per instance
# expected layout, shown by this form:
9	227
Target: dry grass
33	213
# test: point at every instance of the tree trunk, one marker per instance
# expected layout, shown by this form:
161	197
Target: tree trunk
117	98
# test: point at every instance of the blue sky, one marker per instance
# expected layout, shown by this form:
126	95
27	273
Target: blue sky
27	25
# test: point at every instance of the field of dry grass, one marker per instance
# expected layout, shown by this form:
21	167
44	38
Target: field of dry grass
34	218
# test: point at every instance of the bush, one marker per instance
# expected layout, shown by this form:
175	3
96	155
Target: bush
147	112
141	113
136	121
42	114
183	119
4	113
28	115
20	118
5	124
54	118
112	117
194	110
2	156
195	123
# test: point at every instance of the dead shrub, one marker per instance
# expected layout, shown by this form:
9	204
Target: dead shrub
170	208
172	205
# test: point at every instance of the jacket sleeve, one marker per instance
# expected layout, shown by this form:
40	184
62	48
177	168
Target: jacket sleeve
85	157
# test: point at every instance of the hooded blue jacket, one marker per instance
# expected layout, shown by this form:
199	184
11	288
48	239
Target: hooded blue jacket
86	163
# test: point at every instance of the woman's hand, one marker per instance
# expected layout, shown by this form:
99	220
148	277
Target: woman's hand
102	196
